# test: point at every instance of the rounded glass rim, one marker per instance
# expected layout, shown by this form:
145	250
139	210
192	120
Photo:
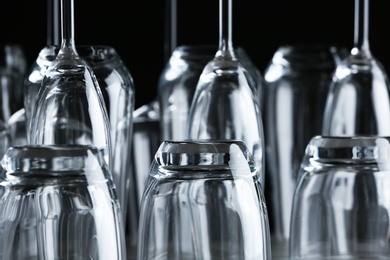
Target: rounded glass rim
204	155
349	148
71	159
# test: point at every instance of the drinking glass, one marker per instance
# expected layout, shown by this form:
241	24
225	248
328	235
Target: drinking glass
117	86
226	103
341	205
297	80
58	202
358	102
12	70
203	200
70	107
177	84
5	138
178	80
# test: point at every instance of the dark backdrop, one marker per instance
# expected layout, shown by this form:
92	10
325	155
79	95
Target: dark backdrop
136	29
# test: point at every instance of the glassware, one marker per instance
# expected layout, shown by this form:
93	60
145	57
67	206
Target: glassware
17	128
16	63
5	138
297	82
116	84
58	202
145	141
177	84
176	87
341	204
358	102
12	70
70	107
226	102
203	200
37	71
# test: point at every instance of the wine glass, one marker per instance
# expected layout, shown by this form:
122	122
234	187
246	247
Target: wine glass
117	86
203	200
358	102
178	80
225	105
70	107
36	73
341	203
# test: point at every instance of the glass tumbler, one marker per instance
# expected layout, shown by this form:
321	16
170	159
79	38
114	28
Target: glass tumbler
203	200
341	205
58	202
297	82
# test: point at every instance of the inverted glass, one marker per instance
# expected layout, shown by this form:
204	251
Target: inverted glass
297	81
341	205
178	80
203	200
58	202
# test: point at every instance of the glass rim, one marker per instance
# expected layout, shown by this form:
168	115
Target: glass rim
349	148
57	159
204	156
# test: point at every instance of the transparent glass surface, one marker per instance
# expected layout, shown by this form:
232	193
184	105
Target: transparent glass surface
13	65
177	84
34	78
341	205
297	81
203	200
5	138
145	142
58	202
358	102
17	128
117	87
226	103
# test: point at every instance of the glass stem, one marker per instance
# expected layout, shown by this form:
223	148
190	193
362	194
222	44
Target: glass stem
225	49
53	23
361	42
170	37
67	25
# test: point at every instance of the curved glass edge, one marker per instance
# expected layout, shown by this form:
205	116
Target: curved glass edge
322	148
204	156
52	160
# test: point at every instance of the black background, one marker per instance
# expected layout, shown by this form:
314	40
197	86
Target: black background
136	29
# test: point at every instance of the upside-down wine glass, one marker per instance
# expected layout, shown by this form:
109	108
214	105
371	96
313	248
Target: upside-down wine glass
70	107
226	104
358	102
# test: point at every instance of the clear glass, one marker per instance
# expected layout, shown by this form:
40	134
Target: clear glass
117	86
17	128
341	206
5	138
34	78
297	82
12	70
203	200
58	202
70	107
226	103
177	84
16	63
358	102
145	142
